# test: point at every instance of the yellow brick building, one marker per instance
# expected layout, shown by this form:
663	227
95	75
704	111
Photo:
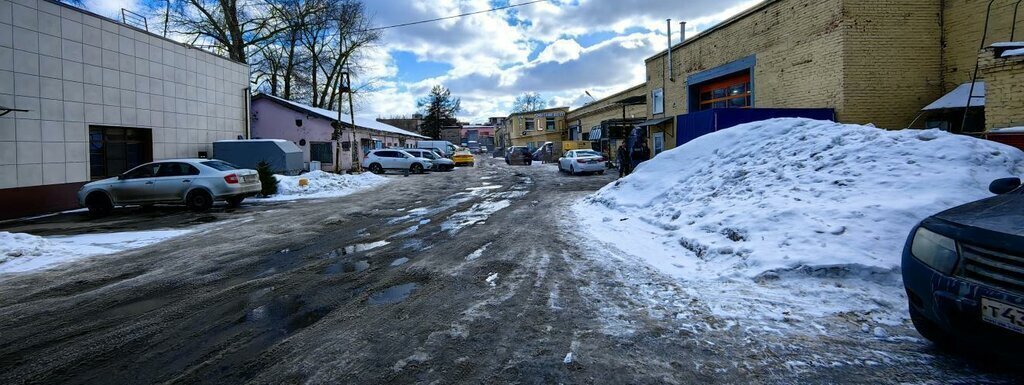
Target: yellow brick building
534	128
603	121
872	61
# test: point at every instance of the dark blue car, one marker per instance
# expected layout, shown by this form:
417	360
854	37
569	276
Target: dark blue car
963	270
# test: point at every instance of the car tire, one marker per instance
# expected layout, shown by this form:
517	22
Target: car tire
529	162
376	168
199	200
600	172
572	170
929	329
235	201
416	168
98	204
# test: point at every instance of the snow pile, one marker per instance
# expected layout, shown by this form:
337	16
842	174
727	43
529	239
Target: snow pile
323	185
791	194
24	252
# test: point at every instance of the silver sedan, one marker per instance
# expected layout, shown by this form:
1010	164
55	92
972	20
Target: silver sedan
196	183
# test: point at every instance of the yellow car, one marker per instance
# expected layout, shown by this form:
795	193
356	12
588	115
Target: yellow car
463	158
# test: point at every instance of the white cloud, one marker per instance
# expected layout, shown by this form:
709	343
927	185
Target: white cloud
560	51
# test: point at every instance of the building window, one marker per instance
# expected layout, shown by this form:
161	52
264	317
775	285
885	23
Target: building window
658	101
114	150
529	124
549	124
729	92
320	152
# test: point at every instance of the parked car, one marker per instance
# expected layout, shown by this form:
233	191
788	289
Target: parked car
518	155
963	270
581	161
196	183
446	147
440	163
379	161
463	158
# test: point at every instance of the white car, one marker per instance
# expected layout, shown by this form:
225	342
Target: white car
581	161
379	161
440	163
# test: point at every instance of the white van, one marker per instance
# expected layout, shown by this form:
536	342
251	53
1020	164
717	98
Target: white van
446	147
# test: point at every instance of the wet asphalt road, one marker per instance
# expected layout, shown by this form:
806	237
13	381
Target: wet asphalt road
473	276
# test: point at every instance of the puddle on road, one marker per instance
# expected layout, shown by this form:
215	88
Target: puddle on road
286	314
475	215
400	261
347	267
394	294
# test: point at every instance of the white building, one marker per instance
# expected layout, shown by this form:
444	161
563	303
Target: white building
100	97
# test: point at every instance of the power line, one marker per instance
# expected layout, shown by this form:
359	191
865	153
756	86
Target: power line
457	16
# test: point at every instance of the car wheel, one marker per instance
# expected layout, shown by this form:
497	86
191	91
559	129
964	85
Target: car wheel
199	200
376	168
600	172
416	168
235	201
98	204
572	170
929	330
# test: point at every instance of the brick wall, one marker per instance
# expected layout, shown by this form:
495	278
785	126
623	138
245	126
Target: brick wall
797	44
963	22
1004	90
891	60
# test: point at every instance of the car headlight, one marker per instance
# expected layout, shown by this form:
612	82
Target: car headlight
937	251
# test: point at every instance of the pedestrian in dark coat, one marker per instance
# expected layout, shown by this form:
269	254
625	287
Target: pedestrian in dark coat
645	153
637	153
623	155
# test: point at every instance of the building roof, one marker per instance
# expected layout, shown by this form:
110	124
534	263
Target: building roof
361	122
534	112
957	98
712	29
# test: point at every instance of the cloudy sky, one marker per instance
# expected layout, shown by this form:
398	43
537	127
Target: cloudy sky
558	48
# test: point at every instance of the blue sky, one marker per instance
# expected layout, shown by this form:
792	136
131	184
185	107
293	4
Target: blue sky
559	48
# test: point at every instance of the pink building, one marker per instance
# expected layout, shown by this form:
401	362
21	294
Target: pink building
310	129
484	135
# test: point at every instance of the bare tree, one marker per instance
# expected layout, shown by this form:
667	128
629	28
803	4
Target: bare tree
335	48
282	64
234	25
530	101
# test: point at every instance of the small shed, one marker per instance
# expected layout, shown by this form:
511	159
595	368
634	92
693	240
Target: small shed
283	156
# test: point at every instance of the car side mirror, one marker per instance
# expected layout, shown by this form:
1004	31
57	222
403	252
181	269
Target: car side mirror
1004	185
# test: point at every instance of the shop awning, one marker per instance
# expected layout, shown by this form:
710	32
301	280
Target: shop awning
957	98
654	122
595	134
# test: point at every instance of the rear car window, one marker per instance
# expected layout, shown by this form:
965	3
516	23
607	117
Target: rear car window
587	153
220	165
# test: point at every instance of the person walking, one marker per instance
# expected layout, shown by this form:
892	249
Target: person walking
637	153
623	155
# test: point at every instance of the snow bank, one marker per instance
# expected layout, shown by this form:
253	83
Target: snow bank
786	193
323	185
24	252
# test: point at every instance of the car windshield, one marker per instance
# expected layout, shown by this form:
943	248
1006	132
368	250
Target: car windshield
220	165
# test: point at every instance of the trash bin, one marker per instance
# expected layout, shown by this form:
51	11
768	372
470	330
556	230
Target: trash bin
314	165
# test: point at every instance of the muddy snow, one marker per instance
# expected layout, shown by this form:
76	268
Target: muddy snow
322	184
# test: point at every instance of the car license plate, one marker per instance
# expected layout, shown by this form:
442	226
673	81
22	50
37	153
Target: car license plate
1000	314
249	178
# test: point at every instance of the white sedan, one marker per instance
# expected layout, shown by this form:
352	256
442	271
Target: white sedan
581	161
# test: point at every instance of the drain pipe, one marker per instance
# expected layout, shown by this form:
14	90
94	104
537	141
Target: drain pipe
1013	26
977	63
671	73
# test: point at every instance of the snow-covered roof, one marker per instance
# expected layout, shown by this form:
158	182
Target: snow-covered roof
361	122
249	140
957	98
1013	52
1005	44
1007	130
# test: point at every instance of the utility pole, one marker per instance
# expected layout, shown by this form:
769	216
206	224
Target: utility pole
346	87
